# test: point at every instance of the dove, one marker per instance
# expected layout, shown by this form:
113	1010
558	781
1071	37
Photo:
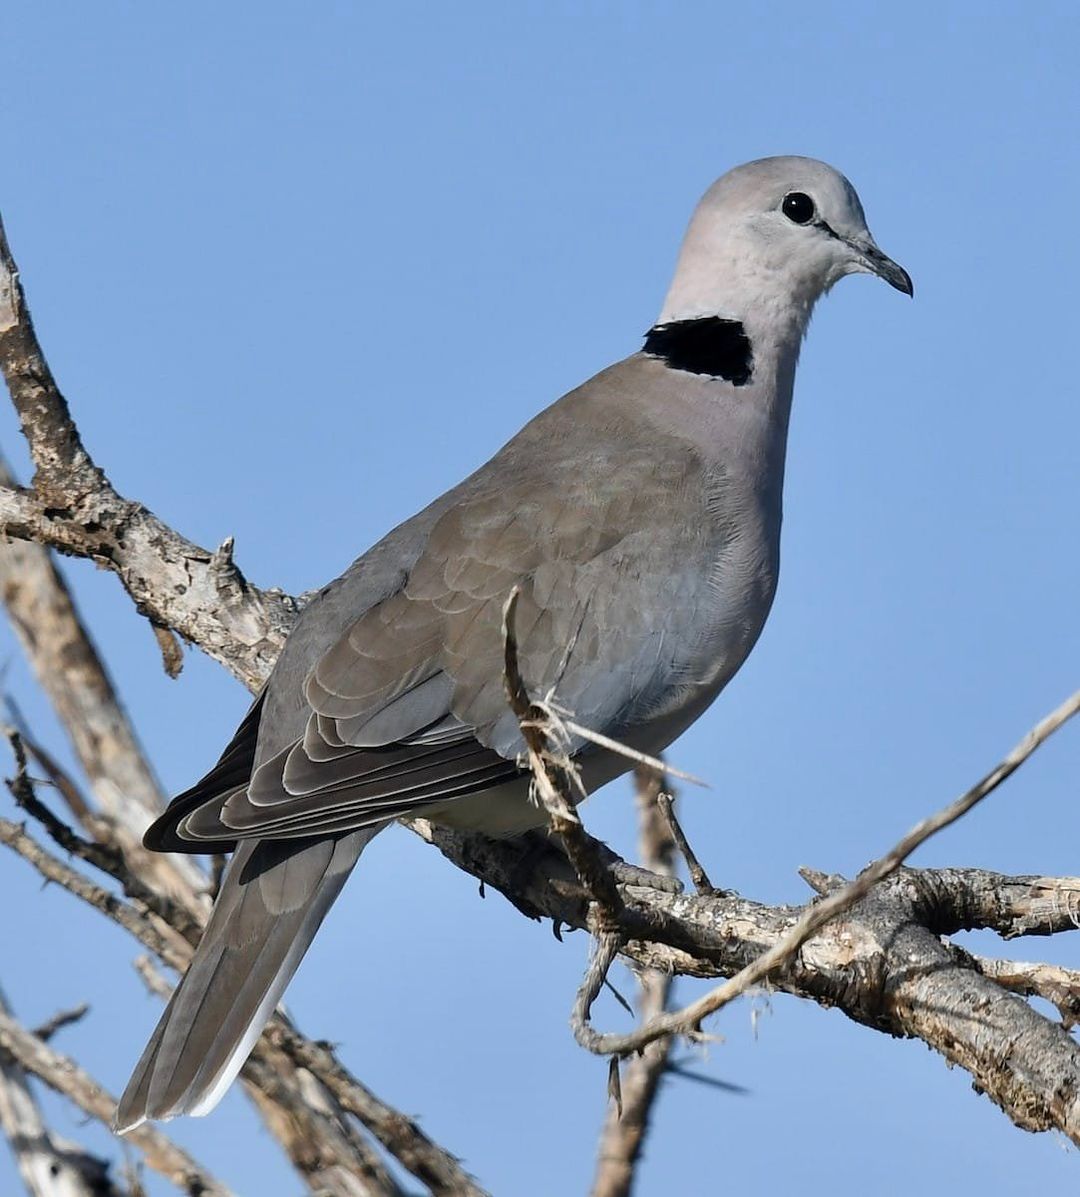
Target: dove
638	519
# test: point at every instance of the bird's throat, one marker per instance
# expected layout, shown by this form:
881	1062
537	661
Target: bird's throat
707	345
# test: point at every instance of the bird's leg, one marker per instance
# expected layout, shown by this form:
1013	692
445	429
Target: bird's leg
538	844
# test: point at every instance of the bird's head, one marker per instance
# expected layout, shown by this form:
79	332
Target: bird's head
768	239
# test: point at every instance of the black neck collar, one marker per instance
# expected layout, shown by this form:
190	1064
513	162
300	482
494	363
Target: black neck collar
706	345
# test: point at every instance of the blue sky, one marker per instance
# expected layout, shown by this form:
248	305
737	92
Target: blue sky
301	267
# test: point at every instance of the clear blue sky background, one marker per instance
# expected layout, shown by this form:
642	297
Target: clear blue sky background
301	267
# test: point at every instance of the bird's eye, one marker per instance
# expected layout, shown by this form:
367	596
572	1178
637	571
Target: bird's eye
798	207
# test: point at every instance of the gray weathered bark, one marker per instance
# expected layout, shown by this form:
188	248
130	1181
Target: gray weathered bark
627	1121
49	1165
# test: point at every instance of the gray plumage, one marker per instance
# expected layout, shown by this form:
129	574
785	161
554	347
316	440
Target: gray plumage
640	518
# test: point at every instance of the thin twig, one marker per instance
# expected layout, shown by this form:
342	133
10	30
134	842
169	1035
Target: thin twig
688	1020
102	856
61	1019
555	783
653	763
627	1123
666	802
58	777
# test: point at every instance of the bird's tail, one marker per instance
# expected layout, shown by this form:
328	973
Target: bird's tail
273	898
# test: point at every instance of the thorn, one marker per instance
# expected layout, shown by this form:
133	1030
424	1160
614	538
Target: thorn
619	998
700	1078
821	883
614	1084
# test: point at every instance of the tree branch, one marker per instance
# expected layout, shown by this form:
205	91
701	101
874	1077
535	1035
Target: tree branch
882	964
1054	984
49	1165
65	1076
627	1122
688	1021
70	670
73	507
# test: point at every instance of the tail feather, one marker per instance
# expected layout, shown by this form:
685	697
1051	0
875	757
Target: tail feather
274	897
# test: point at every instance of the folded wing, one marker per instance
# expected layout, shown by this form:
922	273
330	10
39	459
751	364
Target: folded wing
407	707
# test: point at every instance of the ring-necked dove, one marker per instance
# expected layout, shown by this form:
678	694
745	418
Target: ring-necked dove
639	516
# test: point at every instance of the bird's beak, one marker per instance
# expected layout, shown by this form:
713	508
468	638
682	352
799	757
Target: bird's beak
873	261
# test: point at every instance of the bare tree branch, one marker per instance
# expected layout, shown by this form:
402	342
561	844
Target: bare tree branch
688	1021
1057	985
61	1019
700	879
65	1076
49	1165
883	964
625	1128
70	670
74	508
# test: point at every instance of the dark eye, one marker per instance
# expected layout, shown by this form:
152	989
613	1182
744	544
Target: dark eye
798	207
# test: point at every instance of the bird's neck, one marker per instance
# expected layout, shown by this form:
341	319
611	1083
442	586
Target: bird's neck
747	342
772	319
739	361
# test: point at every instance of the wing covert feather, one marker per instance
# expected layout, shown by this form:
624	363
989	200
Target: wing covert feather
610	545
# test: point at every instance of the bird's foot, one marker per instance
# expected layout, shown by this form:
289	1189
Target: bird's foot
624	873
631	874
536	845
